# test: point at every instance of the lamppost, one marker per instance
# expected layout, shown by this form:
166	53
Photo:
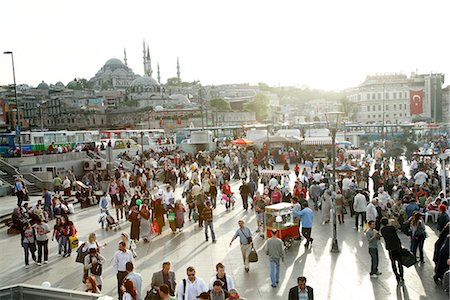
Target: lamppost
17	101
142	142
333	124
39	105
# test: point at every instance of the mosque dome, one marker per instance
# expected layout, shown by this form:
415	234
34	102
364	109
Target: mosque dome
43	86
72	85
59	84
114	62
158	108
144	81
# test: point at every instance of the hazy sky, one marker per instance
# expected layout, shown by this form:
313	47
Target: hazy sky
323	44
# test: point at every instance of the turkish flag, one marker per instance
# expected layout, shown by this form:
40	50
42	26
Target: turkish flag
416	102
179	121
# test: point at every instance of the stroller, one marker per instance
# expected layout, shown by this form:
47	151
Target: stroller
108	221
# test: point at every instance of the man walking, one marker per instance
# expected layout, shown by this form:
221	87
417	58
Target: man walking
373	237
394	247
207	217
48	207
121	257
245	238
274	248
20	191
244	191
301	291
136	278
359	206
165	276
191	287
307	217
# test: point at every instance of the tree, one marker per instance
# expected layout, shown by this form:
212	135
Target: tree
219	104
260	105
348	108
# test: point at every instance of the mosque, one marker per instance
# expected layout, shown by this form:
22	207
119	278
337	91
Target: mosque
145	90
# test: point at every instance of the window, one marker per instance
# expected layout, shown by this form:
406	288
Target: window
386	95
379	96
368	116
373	96
405	105
395	95
368	107
387	106
379	116
395	115
395	107
373	107
379	107
387	116
368	97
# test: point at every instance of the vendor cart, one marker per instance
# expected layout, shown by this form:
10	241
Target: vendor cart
279	216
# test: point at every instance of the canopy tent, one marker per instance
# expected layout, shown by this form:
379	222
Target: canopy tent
279	139
242	142
343	168
313	141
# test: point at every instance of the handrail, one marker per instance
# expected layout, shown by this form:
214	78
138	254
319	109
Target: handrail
8	165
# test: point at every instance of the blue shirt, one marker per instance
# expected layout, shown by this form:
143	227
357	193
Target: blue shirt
47	199
19	186
411	208
306	215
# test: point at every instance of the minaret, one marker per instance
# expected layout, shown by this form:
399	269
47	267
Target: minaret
145	59
158	74
178	70
149	62
125	57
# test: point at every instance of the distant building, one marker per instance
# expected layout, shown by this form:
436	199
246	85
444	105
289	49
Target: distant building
388	98
224	118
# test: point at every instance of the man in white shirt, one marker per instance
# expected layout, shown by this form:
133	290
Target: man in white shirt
420	178
273	182
371	210
121	257
191	287
168	198
359	205
317	176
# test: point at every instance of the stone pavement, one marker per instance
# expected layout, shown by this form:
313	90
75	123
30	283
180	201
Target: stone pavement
333	276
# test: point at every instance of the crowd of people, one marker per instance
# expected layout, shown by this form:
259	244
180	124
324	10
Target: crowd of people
145	196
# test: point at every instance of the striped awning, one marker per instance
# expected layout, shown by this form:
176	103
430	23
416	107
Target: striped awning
317	141
275	173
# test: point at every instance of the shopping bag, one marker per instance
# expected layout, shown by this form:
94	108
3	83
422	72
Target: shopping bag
171	217
253	256
155	227
366	226
80	254
73	241
195	216
408	259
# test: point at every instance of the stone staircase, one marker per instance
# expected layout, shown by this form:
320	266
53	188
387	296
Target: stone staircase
9	173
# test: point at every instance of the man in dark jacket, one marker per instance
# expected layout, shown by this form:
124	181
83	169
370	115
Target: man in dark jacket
394	247
301	289
244	191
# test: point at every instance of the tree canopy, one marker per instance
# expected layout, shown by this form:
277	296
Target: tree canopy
219	104
260	105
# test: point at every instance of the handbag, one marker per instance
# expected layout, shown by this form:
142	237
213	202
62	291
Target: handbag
73	240
253	256
408	259
96	269
249	238
80	254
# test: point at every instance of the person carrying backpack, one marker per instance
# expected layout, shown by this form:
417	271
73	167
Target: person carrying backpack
93	265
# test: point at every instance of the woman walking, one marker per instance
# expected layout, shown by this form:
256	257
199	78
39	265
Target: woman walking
179	214
135	221
144	213
28	244
418	234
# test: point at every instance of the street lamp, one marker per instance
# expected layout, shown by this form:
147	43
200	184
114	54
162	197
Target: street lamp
333	124
17	101
39	105
142	143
